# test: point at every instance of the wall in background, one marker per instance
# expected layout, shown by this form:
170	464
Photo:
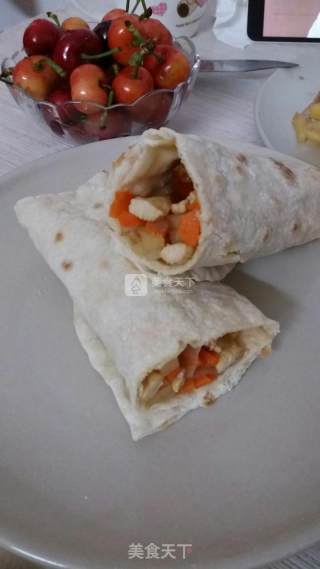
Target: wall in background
13	11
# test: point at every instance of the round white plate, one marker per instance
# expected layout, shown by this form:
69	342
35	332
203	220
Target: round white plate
286	92
239	481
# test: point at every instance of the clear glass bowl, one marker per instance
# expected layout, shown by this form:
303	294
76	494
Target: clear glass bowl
153	110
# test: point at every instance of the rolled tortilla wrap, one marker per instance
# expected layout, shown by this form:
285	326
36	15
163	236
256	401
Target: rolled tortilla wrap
152	341
242	202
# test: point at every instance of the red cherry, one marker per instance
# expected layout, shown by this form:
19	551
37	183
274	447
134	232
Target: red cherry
89	85
66	110
153	111
123	37
130	84
74	23
72	45
35	76
108	124
40	37
113	14
173	69
156	31
102	31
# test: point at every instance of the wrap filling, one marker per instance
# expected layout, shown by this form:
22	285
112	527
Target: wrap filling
160	216
196	367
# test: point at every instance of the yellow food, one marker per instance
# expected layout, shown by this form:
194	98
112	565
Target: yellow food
300	125
307	123
314	111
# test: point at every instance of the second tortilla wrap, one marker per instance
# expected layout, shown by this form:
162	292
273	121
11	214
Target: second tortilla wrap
251	201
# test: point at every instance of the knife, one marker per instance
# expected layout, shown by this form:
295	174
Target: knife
241	65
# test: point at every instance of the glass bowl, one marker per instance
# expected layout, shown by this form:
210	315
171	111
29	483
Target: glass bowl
153	110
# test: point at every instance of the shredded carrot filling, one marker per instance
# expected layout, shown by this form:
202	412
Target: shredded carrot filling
171	212
170	377
189	228
192	369
127	219
120	203
208	357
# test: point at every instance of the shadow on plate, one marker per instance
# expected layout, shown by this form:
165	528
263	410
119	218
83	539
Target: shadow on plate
273	302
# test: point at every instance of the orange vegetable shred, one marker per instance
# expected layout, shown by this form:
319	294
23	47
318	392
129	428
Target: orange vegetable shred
208	357
120	203
188	386
189	228
193	205
202	380
127	219
170	377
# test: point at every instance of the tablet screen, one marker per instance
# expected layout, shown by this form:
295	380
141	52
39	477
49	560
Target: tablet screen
292	18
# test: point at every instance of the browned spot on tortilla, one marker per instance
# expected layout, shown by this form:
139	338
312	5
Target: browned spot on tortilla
104	264
266	236
287	173
67	265
58	236
240	169
98	205
209	399
242	158
296	227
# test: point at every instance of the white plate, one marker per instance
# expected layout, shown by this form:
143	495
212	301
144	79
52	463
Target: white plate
283	94
239	481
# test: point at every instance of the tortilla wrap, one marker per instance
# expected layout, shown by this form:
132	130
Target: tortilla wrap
127	338
253	201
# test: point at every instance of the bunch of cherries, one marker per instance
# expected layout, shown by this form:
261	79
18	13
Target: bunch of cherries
124	57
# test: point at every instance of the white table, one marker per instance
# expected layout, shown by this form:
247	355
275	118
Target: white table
219	106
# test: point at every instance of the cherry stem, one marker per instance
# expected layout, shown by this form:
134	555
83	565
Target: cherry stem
54	17
110	98
146	14
115	69
128	6
138	39
39	66
158	57
136	72
136	6
100	55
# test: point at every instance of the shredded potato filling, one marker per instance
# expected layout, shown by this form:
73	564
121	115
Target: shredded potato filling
192	369
164	223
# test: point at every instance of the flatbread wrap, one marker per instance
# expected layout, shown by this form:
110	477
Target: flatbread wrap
180	202
162	354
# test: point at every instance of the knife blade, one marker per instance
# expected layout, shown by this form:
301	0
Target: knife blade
241	65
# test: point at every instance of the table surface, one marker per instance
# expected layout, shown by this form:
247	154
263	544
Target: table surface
219	106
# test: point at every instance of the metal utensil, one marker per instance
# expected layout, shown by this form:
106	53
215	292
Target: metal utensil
241	65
